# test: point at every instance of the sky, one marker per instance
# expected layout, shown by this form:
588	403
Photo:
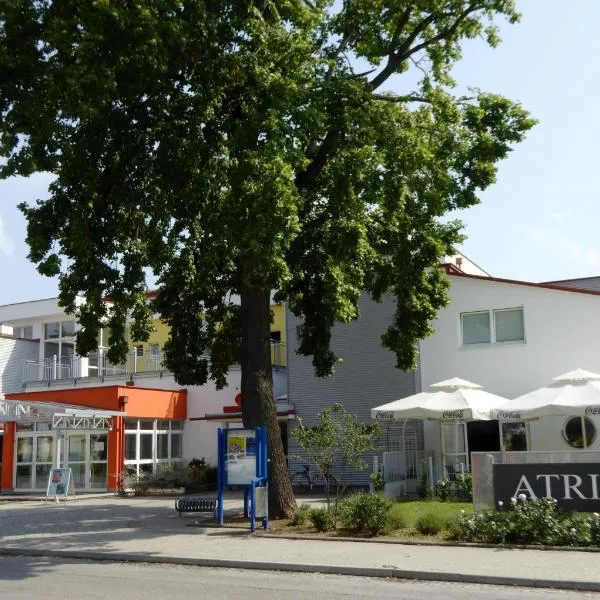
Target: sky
540	221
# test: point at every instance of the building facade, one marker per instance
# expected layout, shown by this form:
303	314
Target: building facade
511	337
162	423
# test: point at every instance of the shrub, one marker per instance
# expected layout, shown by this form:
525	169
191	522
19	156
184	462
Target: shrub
430	523
528	522
594	529
322	519
424	490
378	481
452	490
395	518
300	515
365	511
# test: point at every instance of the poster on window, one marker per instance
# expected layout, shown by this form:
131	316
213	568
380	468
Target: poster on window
240	458
60	484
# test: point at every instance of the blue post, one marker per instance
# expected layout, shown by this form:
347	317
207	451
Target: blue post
265	521
253	507
265	453
220	473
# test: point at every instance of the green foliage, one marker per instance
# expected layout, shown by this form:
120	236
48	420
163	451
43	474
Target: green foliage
395	518
323	519
528	522
378	481
365	511
459	489
235	148
338	437
424	490
430	523
300	515
229	146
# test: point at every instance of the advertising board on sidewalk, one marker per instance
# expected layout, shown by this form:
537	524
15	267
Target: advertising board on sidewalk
60	484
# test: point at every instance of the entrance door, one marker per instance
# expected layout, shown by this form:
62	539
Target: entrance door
455	451
87	458
483	436
35	454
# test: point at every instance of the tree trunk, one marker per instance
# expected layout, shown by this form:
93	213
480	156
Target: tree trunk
258	405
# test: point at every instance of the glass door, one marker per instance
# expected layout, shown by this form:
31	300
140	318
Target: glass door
78	459
88	459
35	455
98	447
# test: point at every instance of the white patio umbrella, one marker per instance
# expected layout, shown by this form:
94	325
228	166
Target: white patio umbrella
454	400
451	400
576	393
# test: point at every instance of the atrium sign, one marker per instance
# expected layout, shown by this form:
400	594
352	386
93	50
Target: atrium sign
574	486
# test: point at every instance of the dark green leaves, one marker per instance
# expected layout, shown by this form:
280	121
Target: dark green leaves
230	144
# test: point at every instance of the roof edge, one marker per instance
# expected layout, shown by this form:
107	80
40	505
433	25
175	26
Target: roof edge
454	272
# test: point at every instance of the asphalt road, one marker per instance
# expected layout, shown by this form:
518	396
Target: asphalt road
24	578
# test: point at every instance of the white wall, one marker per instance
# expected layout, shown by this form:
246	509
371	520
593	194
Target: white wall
562	333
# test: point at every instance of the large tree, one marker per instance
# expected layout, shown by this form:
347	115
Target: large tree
237	148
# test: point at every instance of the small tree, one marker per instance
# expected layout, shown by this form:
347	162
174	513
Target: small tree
337	437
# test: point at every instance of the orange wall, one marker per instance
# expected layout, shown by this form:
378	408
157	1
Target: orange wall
142	402
7	456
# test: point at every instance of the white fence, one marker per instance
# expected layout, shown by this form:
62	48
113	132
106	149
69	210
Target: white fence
404	465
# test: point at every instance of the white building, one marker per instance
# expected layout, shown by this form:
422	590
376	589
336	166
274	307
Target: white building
513	337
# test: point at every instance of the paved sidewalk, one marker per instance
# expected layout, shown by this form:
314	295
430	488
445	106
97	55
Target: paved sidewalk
148	530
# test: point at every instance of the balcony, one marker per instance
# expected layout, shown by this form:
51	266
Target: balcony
96	366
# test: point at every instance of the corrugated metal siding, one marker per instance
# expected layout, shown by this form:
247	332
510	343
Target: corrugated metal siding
586	283
366	378
13	354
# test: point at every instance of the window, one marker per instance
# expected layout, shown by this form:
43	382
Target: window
51	331
139	350
149	444
276	337
23	332
514	437
493	326
573	432
154	349
509	325
59	343
476	328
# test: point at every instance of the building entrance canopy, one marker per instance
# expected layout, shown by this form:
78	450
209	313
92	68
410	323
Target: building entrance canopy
62	416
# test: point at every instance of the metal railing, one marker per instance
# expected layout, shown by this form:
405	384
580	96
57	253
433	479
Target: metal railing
97	365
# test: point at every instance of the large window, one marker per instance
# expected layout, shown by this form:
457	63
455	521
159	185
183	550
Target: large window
149	443
59	342
514	436
493	326
579	432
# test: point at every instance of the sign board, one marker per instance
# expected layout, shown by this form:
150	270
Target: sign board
60	483
243	464
262	502
575	486
240	456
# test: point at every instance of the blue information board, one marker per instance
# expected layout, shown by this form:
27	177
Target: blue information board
243	464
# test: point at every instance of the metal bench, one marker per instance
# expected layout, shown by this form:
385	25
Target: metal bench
188	504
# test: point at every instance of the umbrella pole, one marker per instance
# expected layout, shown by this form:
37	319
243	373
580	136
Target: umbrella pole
443	448
583	433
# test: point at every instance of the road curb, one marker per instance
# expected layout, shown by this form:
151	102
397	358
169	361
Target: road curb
425	543
381	572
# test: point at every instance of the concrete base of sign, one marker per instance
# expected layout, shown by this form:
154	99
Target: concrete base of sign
482	464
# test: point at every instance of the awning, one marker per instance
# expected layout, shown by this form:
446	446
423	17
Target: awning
63	416
232	413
